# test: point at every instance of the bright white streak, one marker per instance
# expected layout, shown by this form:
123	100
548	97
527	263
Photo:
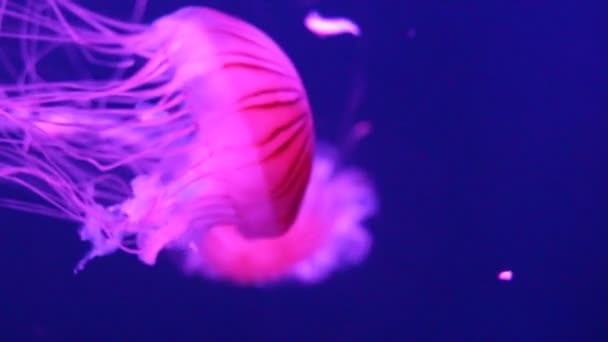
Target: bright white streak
324	27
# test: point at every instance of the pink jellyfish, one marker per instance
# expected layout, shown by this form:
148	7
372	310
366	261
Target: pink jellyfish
191	134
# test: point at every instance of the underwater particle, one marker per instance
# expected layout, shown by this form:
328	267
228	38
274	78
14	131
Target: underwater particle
325	26
506	275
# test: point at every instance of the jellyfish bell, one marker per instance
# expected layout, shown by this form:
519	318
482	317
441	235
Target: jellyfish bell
202	142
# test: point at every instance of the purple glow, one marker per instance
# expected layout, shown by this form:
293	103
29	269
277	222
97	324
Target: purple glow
506	275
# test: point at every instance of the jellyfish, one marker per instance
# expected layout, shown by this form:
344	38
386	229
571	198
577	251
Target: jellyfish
192	134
